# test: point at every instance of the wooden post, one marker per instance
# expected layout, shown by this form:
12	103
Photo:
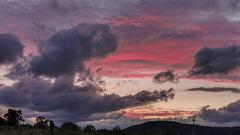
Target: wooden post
51	127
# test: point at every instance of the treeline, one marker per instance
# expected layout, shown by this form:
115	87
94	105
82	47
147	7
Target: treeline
12	124
14	118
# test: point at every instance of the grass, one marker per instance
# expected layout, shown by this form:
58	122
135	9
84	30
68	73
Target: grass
32	131
5	130
57	131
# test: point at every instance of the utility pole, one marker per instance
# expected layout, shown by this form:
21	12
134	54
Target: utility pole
193	125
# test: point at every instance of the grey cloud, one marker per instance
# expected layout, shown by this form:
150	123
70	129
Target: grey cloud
216	60
166	76
224	115
67	101
10	48
67	50
216	89
44	12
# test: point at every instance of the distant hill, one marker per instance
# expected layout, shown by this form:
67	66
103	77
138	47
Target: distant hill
175	128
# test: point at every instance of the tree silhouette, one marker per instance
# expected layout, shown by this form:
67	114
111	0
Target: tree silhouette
14	117
89	129
41	122
117	128
117	131
70	126
2	121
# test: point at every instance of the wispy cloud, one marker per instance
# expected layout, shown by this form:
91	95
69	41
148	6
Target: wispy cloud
216	89
167	76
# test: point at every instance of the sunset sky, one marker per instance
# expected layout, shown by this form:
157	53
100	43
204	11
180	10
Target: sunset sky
121	62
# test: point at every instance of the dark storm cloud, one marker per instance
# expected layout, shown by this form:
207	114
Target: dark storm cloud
63	98
66	51
167	76
10	48
216	60
216	89
227	114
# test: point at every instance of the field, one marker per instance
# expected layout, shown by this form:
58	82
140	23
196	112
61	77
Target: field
25	131
56	131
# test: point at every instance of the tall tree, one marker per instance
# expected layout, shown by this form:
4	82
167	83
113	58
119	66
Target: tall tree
14	117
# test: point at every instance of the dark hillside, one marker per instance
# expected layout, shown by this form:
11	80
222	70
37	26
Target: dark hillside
174	128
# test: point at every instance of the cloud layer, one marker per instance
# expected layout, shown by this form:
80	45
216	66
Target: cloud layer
155	34
73	93
79	103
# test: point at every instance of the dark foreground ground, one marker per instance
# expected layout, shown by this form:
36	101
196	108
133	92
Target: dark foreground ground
149	128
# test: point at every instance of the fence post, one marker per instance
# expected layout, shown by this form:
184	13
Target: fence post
51	127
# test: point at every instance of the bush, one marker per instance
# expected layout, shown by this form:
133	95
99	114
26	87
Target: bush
2	121
89	129
41	122
70	126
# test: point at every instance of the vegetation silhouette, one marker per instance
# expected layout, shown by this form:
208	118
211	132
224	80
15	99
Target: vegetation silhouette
117	131
13	117
70	126
41	122
89	129
43	126
2	121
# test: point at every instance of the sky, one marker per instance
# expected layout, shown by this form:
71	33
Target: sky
111	62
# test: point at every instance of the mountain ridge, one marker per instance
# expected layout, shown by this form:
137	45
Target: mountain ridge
176	128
